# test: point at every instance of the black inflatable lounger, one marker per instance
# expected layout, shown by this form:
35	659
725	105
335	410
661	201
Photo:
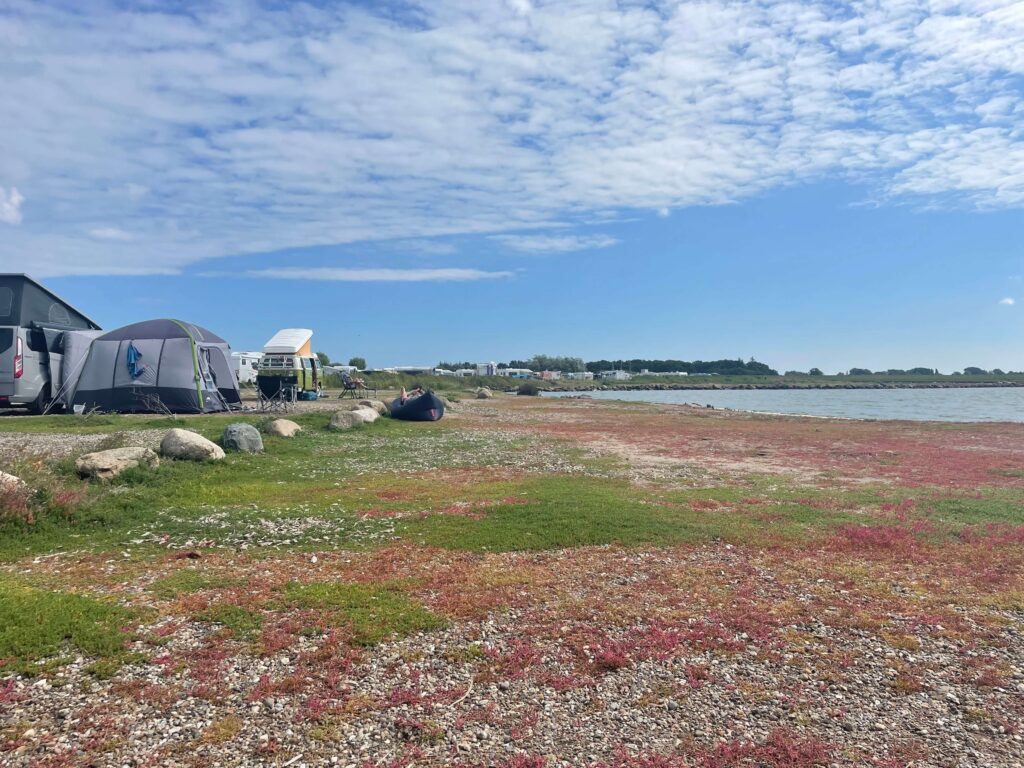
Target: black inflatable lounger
425	407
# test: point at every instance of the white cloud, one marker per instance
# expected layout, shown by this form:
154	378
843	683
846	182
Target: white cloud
351	275
256	128
10	206
110	233
1009	302
554	243
428	247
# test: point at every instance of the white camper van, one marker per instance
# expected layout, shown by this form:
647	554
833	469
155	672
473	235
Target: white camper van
246	365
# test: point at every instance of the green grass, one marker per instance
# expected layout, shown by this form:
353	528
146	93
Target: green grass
372	611
37	624
187	581
564	512
999	506
312	492
243	622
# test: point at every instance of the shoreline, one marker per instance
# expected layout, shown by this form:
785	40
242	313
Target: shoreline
668	387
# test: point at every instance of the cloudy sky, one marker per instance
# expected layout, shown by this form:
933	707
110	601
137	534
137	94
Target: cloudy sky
829	184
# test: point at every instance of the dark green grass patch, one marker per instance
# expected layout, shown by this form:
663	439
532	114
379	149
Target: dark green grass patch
999	506
372	611
36	624
186	581
243	622
563	512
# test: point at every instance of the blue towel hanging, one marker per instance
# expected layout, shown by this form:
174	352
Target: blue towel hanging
135	368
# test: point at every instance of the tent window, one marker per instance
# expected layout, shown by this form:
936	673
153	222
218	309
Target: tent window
58	314
6	301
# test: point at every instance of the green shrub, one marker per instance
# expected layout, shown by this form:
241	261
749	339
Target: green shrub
528	388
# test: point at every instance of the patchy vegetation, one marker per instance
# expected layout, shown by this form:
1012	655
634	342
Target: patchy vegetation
528	583
37	624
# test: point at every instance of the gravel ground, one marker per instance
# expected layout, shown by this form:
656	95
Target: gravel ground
481	692
59	445
515	685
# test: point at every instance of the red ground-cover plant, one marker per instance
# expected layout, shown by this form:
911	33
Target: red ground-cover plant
9	692
611	656
16	504
874	537
782	749
517	661
993	534
914	454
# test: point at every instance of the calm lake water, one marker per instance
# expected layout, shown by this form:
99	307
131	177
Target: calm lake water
990	404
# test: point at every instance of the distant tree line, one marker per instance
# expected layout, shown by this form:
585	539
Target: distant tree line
737	367
446	366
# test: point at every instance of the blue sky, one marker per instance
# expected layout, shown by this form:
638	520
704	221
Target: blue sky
830	184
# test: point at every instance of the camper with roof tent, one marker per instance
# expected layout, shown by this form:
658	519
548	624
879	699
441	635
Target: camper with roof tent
35	326
288	369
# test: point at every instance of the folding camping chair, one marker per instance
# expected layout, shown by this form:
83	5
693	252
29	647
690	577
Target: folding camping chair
351	388
281	400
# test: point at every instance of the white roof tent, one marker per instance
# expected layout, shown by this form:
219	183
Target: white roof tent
289	341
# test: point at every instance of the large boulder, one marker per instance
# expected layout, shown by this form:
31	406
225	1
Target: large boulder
182	444
348	419
283	428
375	405
342	420
368	415
242	437
484	393
350	405
104	465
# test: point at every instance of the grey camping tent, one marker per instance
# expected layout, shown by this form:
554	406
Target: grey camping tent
76	351
158	366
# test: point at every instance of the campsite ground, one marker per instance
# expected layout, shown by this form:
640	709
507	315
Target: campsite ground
529	582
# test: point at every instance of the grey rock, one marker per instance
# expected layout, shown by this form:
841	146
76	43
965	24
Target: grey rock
283	428
10	481
103	465
182	444
375	405
244	438
342	420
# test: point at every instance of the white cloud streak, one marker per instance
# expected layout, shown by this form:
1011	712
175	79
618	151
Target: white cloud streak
237	127
1009	302
383	275
110	233
554	243
10	206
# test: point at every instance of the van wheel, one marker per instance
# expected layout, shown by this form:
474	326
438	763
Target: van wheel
41	402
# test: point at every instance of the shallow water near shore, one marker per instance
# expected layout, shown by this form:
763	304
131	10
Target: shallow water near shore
987	404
